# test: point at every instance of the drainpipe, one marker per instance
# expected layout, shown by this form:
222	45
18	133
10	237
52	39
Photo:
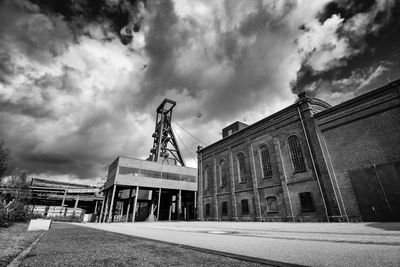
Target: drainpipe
313	163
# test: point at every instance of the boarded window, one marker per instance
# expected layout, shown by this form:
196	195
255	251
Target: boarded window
223	173
241	164
245	207
296	154
272	204
224	208
208	209
265	162
306	202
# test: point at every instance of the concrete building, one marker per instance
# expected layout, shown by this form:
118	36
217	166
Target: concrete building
308	162
139	190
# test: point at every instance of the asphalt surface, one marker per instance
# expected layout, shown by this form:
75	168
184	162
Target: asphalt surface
312	244
72	245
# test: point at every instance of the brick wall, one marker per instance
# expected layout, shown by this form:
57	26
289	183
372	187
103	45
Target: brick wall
360	134
284	184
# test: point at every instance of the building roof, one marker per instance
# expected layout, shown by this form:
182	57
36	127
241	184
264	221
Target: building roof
318	105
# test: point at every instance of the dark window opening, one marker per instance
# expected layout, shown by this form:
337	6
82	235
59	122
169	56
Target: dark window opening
296	154
272	204
306	202
208	209
224	208
245	207
265	162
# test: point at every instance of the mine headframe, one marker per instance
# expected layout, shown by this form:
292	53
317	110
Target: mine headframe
165	147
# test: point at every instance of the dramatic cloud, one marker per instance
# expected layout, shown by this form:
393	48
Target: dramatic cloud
80	80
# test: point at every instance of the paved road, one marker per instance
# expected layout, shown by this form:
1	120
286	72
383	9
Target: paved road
315	244
70	245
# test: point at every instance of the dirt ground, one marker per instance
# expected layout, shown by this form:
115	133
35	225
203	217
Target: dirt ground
13	240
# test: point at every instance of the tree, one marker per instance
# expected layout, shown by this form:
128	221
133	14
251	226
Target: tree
4	159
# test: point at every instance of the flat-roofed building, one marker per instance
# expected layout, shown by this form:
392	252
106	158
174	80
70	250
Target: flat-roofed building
138	190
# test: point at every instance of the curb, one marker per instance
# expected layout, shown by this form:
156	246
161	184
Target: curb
21	256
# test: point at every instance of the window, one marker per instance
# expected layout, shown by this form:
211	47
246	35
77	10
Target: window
296	154
128	170
224	208
272	204
245	207
207	177
265	162
223	173
241	164
307	202
208	209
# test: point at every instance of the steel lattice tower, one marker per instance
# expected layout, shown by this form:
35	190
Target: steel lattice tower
165	147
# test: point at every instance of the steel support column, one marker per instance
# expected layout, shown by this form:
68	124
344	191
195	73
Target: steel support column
111	208
135	203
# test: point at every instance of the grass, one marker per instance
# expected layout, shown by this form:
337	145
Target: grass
13	240
69	245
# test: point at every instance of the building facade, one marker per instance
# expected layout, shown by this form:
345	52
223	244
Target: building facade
141	190
308	162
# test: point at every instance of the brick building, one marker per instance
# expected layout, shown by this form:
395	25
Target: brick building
308	162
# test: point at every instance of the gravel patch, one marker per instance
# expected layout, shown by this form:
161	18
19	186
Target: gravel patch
70	245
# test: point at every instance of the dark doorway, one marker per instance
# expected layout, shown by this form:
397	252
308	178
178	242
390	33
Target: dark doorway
377	189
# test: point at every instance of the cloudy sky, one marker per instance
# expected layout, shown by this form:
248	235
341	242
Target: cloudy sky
80	79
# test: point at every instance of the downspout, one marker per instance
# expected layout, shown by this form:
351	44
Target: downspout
313	163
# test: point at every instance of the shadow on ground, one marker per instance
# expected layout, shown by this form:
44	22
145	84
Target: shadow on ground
392	226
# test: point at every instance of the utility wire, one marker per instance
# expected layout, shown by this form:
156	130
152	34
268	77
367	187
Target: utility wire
189	133
184	145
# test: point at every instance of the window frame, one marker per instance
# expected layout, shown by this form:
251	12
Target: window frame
206	177
222	171
241	167
312	208
247	212
268	206
296	154
208	210
262	148
222	208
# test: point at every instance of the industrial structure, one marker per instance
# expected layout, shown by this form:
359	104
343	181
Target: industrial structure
308	162
159	188
53	198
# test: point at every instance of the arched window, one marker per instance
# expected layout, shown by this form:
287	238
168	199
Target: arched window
207	177
265	162
296	154
223	173
241	165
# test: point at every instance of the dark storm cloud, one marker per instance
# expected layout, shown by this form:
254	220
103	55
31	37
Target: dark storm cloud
80	80
239	55
52	114
372	30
